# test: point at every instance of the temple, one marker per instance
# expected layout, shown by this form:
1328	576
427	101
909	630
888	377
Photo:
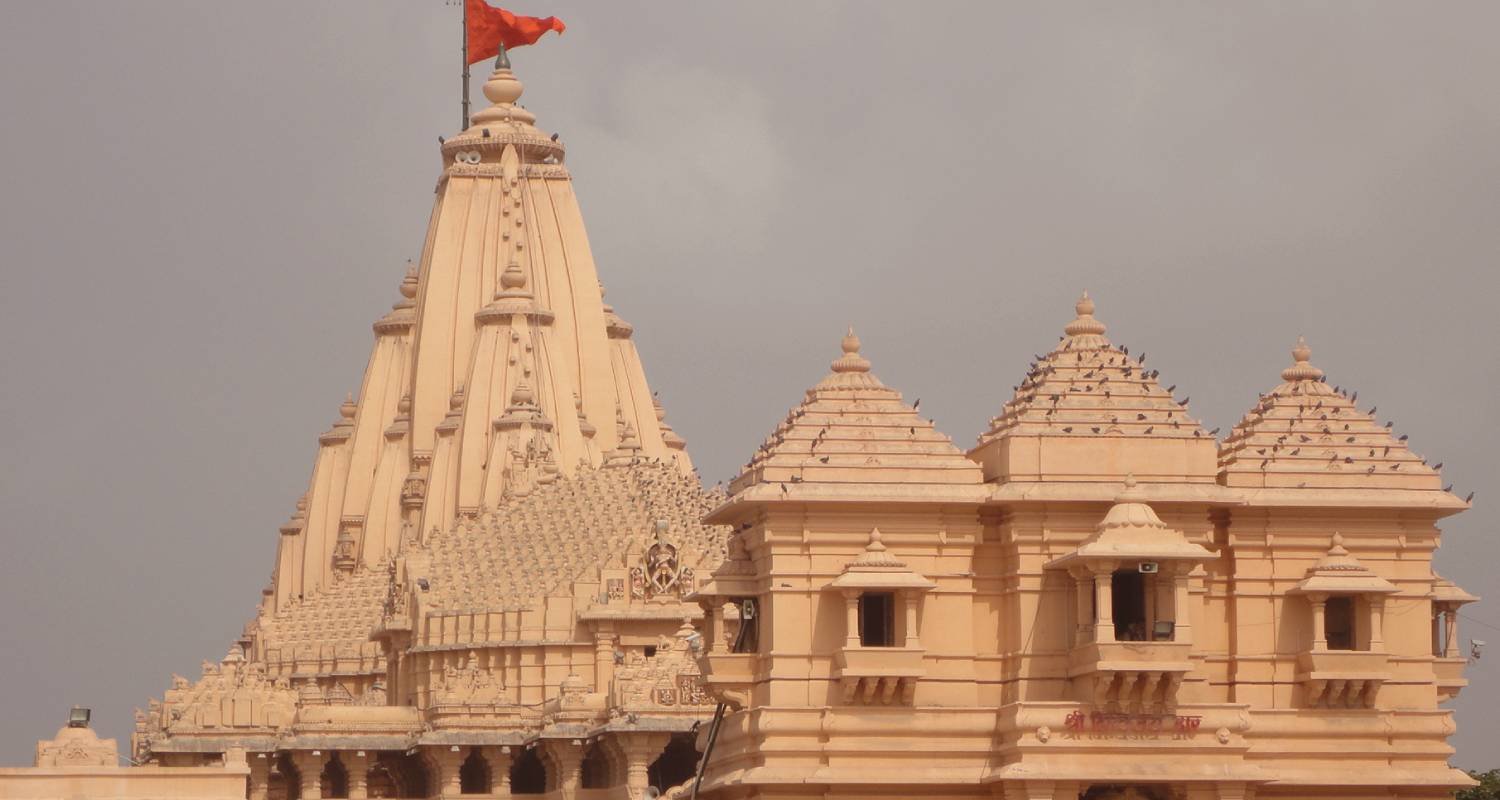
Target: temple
1099	600
506	579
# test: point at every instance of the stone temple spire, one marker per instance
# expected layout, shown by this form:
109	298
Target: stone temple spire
498	368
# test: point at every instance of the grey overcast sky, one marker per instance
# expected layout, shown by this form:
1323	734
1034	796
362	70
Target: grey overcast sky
203	207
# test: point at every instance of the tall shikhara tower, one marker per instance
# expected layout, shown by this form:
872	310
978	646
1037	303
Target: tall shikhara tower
482	585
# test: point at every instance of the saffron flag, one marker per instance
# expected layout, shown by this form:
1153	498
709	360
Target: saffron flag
489	28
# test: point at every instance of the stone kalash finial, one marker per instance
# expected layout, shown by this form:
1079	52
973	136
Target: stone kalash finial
1301	370
403	314
876	554
851	360
344	426
669	437
503	124
1084	324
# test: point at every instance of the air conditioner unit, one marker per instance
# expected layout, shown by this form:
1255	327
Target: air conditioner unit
1147	567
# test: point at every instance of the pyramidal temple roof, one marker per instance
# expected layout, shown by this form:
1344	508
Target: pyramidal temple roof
851	430
1305	434
1089	410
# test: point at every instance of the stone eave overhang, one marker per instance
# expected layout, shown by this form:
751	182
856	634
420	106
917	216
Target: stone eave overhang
778	493
216	743
1020	492
673	611
1440	504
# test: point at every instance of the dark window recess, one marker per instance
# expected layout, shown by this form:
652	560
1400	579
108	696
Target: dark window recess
1128	593
747	638
650	651
1338	623
877	619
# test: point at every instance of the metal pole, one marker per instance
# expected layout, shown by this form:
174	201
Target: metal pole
465	16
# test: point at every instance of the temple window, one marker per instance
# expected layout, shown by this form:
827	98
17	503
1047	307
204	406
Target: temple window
1338	623
877	619
650	650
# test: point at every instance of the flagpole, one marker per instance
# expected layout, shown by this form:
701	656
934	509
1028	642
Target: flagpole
466	65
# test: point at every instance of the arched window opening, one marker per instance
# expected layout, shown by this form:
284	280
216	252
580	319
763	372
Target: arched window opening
474	774
528	775
877	619
285	781
1338	622
334	779
676	765
595	768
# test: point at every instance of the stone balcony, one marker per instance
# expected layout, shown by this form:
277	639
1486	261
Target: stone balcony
1342	678
728	677
1449	673
1129	675
871	675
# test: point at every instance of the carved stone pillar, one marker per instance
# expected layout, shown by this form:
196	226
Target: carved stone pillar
1450	630
1377	623
568	756
449	761
604	657
310	770
498	759
1083	598
260	776
718	631
1104	603
1320	628
640	750
851	616
358	764
912	598
1182	617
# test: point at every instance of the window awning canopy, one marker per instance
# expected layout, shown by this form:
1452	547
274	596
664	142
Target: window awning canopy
1338	572
878	569
1131	531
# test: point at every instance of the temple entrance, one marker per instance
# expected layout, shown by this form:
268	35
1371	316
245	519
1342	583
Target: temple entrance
474	775
594	772
408	773
379	783
285	781
528	775
334	780
677	764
